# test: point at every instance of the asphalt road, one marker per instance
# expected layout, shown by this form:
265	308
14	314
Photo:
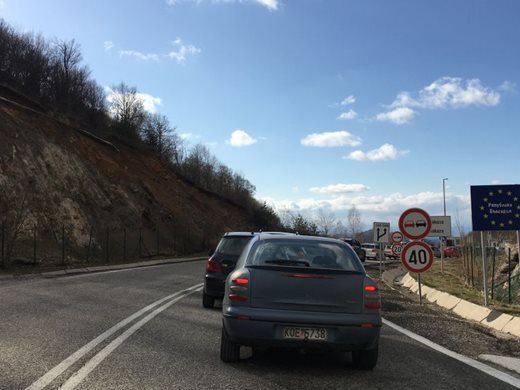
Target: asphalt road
175	344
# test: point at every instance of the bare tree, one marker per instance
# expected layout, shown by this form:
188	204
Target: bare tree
326	221
354	222
127	109
157	133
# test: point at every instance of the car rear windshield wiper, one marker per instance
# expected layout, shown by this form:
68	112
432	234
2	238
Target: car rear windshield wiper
288	262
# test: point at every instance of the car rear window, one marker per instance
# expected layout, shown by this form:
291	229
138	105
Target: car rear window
299	253
232	245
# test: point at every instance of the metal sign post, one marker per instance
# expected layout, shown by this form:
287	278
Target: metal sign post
417	257
484	271
420	291
443	243
381	235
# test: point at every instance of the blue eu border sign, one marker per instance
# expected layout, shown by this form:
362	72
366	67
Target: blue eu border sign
495	207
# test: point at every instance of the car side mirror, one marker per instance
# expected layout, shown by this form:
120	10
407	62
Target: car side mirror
211	252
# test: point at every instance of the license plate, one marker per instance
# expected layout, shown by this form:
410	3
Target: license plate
295	333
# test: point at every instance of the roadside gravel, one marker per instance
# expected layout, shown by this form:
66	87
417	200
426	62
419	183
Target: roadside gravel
441	326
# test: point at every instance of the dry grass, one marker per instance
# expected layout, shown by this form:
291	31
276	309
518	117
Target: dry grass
452	282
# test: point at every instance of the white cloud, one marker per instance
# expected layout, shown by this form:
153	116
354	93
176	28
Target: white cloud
179	53
269	4
348	115
450	92
186	136
384	153
107	44
182	50
495	181
331	139
399	116
150	102
139	55
348	100
241	138
340	188
378	207
508	86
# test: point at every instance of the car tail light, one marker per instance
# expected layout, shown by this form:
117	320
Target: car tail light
239	287
241	281
371	297
237	297
213	266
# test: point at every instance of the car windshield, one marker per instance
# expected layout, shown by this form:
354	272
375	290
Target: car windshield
314	254
232	245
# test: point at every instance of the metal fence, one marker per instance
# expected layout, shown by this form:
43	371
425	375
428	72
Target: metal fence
51	246
502	270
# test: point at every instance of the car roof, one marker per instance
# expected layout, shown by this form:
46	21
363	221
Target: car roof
250	234
295	237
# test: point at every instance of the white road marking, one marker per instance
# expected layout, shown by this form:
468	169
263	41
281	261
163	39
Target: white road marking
464	359
82	373
42	382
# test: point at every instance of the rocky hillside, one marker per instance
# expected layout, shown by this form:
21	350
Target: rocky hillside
57	177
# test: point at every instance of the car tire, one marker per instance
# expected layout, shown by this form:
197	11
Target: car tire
365	359
229	351
207	301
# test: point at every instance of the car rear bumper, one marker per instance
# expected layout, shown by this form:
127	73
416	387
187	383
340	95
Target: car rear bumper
265	328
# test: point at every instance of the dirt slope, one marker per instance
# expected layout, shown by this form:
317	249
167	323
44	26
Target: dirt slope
52	175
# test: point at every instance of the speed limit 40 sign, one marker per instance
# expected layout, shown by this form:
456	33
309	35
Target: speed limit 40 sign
417	256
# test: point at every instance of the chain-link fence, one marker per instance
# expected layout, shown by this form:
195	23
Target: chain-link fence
64	245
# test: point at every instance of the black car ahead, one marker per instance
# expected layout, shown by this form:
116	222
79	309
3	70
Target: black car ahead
356	245
222	261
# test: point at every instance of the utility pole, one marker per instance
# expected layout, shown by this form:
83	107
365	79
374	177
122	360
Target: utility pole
444	193
443	242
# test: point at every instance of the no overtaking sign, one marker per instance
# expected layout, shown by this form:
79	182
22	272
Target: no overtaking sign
415	223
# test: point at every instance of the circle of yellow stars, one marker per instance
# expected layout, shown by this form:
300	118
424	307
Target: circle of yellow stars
501	192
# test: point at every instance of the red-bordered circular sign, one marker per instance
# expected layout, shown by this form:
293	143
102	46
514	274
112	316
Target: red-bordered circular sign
397	249
396	237
415	223
417	256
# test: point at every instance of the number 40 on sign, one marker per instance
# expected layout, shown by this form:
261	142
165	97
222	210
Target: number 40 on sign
417	256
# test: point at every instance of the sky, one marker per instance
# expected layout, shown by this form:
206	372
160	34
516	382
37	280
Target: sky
320	104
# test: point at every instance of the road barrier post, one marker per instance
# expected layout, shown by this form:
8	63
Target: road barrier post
34	244
3	245
124	244
107	245
140	242
63	244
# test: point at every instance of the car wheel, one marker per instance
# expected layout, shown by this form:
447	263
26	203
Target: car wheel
207	301
229	351
365	359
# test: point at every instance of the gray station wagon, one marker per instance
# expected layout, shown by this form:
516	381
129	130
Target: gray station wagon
302	292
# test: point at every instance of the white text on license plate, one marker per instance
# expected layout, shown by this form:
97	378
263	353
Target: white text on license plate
304	333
